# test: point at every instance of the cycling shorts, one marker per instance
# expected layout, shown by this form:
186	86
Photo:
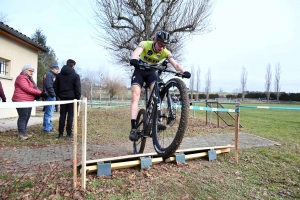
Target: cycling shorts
140	76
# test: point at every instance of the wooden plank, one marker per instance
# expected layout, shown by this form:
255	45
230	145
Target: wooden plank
204	148
225	150
197	155
84	135
134	163
236	138
121	165
120	158
75	147
130	157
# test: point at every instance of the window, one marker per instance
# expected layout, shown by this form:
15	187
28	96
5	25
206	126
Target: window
3	66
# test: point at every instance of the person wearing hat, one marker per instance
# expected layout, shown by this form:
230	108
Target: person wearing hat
25	90
49	95
150	52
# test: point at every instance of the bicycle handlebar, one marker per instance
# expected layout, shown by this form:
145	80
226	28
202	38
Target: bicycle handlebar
161	68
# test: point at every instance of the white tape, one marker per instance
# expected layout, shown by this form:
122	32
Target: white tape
267	107
27	104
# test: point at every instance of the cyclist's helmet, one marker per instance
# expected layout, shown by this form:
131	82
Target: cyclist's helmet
163	36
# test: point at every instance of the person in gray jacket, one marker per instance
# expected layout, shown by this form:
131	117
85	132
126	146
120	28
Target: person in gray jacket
49	95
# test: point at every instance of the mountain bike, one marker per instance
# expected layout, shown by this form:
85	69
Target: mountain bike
163	120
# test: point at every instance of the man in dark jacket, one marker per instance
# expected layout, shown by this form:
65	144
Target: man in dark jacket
49	95
2	95
67	86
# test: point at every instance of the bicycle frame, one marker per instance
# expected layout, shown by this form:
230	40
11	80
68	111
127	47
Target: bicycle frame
150	106
153	120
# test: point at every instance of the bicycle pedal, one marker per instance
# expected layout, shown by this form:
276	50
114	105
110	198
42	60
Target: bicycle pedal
161	127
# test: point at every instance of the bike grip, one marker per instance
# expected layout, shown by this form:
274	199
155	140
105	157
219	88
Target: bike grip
187	74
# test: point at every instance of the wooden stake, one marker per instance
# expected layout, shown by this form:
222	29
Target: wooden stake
83	150
236	138
75	147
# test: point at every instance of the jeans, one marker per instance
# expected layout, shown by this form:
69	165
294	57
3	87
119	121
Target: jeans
24	115
66	109
47	123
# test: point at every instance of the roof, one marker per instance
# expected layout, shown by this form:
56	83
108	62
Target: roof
22	37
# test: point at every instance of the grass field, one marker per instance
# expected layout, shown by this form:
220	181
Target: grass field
263	172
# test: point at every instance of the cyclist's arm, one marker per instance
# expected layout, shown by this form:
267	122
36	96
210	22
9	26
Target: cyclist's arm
176	65
137	52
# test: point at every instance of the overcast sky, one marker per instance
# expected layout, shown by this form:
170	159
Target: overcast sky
246	33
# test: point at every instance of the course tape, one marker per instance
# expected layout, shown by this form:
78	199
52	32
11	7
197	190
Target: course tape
27	104
271	107
207	108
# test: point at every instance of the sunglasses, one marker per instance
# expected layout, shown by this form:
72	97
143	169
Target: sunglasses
161	45
30	70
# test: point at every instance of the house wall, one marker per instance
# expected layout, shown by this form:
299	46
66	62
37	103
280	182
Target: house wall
17	55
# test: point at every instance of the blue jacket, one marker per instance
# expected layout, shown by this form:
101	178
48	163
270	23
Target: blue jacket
49	79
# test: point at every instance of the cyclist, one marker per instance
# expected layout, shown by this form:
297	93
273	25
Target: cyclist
150	52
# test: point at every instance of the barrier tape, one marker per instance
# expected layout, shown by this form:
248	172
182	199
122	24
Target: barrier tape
271	107
206	108
27	104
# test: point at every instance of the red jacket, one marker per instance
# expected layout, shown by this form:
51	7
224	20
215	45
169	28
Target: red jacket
24	89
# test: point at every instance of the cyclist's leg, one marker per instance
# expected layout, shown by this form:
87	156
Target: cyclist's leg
136	84
135	97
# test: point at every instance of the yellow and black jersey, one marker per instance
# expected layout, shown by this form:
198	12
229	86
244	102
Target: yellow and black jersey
150	56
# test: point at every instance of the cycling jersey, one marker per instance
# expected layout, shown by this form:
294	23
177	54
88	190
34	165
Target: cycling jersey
150	56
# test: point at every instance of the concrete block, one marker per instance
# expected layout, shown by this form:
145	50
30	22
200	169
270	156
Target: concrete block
104	168
146	162
212	155
180	158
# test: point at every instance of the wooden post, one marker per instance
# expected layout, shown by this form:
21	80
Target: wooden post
83	150
236	137
75	146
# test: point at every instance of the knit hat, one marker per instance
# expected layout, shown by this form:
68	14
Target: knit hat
54	67
27	67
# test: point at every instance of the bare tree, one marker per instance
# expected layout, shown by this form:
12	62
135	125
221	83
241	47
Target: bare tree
90	83
3	18
277	84
207	84
114	86
244	76
198	83
192	81
268	78
120	25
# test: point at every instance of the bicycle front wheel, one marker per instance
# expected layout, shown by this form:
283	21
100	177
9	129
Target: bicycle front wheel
173	120
139	144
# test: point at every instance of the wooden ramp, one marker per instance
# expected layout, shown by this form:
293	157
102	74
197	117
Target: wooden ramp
128	161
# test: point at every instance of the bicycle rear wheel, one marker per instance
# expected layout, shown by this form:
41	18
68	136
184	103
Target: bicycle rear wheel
139	144
174	117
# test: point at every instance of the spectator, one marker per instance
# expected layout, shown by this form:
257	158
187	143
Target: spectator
56	106
67	86
2	95
50	95
25	90
175	99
